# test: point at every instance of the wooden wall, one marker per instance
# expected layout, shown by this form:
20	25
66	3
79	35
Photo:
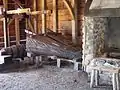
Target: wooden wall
11	28
64	17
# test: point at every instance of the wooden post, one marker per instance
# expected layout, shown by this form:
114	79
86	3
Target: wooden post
26	20
35	18
76	66
43	17
75	23
96	77
6	35
114	81
5	32
58	63
55	16
92	78
17	29
117	81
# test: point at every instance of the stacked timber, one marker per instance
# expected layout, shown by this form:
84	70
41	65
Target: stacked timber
53	45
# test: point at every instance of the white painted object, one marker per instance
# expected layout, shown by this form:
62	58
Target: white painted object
2	58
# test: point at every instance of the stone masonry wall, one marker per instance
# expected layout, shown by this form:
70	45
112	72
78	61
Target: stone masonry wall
94	38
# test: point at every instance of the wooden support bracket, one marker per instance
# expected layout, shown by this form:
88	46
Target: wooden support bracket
69	6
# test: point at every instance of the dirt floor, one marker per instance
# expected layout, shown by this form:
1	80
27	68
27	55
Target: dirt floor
47	77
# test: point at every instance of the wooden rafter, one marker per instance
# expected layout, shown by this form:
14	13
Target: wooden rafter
87	6
69	6
17	2
30	25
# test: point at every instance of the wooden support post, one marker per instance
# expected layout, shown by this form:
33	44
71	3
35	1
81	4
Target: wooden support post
75	23
30	24
17	31
26	20
43	17
35	18
92	78
96	77
76	66
55	16
58	63
6	33
114	81
117	81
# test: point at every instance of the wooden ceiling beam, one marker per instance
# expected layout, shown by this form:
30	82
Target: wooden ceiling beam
19	11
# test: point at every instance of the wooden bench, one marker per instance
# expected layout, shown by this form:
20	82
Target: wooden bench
74	61
113	70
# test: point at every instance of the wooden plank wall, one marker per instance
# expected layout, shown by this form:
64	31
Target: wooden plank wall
64	18
11	6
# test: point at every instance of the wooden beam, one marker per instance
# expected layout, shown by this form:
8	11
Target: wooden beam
5	4
75	23
6	32
39	12
69	6
35	18
19	11
43	17
30	25
26	19
87	6
17	2
17	28
55	16
17	31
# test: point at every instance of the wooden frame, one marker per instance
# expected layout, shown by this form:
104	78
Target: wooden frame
69	6
43	17
73	12
35	18
55	16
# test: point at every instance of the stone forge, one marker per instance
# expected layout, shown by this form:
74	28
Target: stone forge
101	31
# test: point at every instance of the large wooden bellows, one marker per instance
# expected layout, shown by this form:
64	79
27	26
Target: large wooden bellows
54	45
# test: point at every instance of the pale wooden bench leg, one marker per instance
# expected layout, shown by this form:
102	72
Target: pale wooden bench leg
96	77
38	60
114	81
76	66
58	63
92	78
117	81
